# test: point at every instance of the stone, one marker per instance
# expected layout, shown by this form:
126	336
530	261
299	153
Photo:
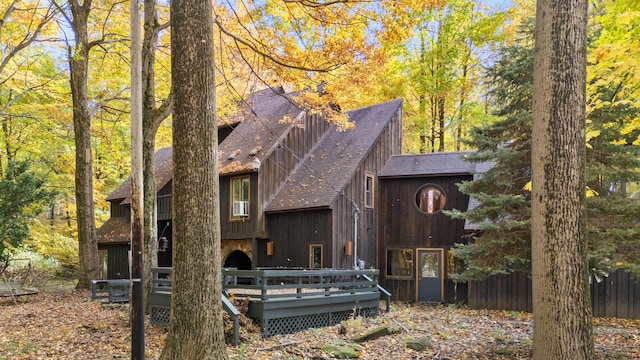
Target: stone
420	344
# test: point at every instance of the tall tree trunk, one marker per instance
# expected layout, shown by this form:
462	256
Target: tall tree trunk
137	201
434	114
78	68
196	326
149	144
561	299
441	124
422	97
152	118
422	115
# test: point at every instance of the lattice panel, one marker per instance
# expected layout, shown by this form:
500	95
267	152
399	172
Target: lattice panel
294	324
160	316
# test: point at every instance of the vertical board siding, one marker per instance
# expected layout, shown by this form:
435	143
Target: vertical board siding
164	207
402	225
117	260
353	193
238	229
617	295
292	234
273	173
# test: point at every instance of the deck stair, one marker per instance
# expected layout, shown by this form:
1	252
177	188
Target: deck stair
284	301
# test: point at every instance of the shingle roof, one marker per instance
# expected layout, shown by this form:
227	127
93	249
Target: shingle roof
437	164
115	230
260	130
163	162
262	114
431	164
253	98
323	174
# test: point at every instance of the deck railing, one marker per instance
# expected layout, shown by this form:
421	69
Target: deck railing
160	301
288	300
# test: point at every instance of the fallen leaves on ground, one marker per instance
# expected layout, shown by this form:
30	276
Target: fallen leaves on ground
68	325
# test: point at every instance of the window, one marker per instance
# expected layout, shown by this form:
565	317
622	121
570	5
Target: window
430	199
400	263
280	154
430	266
315	256
240	198
103	255
368	190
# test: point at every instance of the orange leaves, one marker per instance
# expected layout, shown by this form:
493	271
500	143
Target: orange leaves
70	326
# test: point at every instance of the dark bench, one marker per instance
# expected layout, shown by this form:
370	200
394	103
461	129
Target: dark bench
114	291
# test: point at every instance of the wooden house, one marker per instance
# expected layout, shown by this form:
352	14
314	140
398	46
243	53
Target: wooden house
295	191
414	234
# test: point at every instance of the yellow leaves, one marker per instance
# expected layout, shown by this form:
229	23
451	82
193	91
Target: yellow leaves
590	135
588	191
323	105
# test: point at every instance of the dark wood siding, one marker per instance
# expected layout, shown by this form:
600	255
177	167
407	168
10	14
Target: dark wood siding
354	193
238	229
223	132
118	260
164	207
282	160
617	295
118	210
292	233
402	225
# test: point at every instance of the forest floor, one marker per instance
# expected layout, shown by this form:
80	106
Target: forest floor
67	324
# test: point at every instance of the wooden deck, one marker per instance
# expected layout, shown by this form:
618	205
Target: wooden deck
289	300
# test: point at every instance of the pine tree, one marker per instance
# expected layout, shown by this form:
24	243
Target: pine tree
503	216
502	245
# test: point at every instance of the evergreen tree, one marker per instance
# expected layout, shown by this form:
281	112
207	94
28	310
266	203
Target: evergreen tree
503	242
503	216
22	195
613	164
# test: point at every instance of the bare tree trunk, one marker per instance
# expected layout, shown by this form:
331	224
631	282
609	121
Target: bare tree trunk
561	299
137	203
422	97
441	124
148	145
78	68
196	326
152	118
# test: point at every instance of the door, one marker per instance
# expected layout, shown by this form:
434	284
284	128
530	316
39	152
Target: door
430	275
315	256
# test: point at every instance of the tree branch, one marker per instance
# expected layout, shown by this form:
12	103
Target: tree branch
318	4
253	48
28	40
163	111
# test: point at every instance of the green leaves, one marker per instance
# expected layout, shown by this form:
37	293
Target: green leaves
22	195
502	244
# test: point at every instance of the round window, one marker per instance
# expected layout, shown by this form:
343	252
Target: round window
430	198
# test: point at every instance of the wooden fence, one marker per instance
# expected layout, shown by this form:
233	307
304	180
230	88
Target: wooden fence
617	295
